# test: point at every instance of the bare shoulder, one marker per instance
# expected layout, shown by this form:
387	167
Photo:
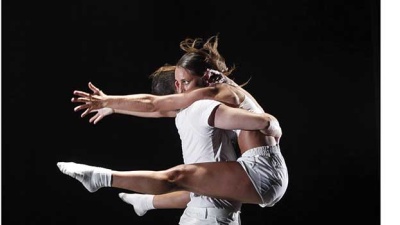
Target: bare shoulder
229	94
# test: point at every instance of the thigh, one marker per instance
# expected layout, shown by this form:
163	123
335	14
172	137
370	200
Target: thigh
226	180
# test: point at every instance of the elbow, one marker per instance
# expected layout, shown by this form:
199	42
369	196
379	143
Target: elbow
152	105
148	106
152	108
272	127
139	103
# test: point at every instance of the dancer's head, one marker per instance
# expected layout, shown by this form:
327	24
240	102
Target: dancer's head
193	68
200	66
162	80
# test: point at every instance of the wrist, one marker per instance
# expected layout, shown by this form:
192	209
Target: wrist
108	102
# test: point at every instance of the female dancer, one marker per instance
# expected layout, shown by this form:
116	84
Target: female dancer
259	176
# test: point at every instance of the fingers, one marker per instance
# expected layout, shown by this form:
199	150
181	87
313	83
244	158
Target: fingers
80	107
81	93
88	107
93	118
84	100
87	111
100	117
93	88
96	118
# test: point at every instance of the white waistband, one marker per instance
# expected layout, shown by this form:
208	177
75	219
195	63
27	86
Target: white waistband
262	150
213	212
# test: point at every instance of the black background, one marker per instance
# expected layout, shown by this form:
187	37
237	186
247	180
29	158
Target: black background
314	65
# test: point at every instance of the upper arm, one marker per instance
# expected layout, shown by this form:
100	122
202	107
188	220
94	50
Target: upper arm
182	100
228	95
222	93
228	118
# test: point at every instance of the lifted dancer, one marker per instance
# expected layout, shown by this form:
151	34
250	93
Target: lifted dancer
269	163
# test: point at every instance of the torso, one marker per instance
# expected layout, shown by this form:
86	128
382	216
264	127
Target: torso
203	143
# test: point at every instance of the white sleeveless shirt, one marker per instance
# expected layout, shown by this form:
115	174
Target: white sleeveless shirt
203	143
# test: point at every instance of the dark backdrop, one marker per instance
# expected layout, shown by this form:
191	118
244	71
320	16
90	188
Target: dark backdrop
313	64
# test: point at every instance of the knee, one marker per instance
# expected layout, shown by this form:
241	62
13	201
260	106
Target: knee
177	174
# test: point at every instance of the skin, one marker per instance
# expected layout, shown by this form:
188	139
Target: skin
172	200
147	105
234	183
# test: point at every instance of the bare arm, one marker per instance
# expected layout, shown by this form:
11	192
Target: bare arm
137	103
229	118
103	112
157	114
230	81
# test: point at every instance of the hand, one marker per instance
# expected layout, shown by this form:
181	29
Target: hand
212	77
101	113
92	102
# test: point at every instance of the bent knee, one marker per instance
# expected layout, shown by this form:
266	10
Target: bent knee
178	173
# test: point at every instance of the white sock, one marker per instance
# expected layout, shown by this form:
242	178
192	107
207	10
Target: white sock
93	178
141	202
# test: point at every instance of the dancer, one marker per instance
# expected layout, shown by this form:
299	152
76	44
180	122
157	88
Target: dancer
266	160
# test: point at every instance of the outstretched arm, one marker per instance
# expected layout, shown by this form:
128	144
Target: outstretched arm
137	104
103	112
159	106
93	103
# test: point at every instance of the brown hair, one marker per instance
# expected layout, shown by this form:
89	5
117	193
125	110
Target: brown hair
201	56
162	80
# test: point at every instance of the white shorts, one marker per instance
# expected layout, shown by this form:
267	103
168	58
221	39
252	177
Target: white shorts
267	170
209	216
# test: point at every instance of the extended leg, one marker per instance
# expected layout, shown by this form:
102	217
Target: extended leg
226	180
91	177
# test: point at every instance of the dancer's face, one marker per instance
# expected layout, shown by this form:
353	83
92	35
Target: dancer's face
184	81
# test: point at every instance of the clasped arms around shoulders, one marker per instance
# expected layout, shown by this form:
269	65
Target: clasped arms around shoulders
229	118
